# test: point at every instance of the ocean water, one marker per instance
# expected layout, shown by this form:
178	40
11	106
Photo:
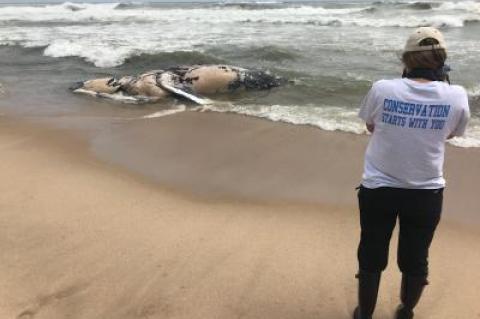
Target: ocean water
332	50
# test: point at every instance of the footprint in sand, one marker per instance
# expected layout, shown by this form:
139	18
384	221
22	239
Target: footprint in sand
27	314
46	300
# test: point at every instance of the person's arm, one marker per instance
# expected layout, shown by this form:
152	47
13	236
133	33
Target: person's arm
367	109
463	119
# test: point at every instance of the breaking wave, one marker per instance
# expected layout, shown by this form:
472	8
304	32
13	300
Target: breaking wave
474	92
277	13
468	6
73	6
443	21
107	34
254	5
130	57
328	118
333	51
422	5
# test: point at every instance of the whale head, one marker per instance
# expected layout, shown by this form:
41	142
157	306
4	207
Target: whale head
104	85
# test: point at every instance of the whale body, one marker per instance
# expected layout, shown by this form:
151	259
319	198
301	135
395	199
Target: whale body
190	82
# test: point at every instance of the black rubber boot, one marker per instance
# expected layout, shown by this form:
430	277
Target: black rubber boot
411	291
368	284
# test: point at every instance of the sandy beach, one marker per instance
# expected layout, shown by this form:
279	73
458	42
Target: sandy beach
112	210
85	238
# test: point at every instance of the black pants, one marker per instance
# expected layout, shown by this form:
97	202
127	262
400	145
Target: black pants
418	211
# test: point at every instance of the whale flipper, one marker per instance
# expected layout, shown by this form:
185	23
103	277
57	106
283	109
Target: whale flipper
118	96
167	81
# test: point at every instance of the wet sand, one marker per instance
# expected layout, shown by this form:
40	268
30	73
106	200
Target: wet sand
230	156
84	238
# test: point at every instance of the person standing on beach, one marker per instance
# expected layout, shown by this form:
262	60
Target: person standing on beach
410	120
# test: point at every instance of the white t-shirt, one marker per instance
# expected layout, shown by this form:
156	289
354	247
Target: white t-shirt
412	122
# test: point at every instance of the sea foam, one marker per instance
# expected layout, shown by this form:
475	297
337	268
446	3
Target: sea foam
474	92
328	118
106	35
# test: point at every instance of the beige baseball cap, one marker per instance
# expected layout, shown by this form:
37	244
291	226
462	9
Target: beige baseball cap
420	34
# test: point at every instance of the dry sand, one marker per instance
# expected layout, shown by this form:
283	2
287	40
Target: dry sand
83	239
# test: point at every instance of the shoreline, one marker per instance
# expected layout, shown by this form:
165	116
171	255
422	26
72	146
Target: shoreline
228	157
81	238
237	157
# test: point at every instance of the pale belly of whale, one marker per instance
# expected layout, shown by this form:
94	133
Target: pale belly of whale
190	82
